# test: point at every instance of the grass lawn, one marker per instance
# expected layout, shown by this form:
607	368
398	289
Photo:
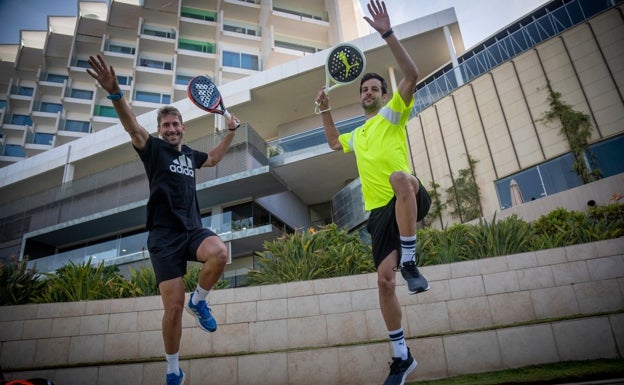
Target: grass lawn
542	374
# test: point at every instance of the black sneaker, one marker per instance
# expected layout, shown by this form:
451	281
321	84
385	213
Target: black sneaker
416	283
400	369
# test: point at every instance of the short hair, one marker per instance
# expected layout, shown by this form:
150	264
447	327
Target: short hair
168	110
372	75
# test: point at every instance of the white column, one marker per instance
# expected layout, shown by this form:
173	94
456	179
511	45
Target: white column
451	48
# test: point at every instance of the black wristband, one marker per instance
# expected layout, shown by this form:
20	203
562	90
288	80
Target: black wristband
387	33
116	96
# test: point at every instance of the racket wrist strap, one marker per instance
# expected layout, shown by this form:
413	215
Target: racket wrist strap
115	96
386	34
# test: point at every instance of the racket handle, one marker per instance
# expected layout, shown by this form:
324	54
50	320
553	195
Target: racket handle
317	108
227	115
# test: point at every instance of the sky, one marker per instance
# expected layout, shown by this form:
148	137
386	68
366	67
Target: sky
478	19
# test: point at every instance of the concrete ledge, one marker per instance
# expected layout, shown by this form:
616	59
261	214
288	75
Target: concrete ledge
491	314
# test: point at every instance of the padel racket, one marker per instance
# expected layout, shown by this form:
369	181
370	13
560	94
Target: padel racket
204	94
345	63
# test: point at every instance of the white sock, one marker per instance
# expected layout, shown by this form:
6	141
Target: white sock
173	363
398	343
408	248
200	295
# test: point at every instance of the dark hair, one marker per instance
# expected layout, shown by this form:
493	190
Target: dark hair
168	110
372	75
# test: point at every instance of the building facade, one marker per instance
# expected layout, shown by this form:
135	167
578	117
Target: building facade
85	199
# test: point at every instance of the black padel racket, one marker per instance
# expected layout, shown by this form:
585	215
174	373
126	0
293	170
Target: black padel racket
205	95
345	63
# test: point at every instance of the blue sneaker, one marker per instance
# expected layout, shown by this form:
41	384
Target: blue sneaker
202	312
400	369
173	379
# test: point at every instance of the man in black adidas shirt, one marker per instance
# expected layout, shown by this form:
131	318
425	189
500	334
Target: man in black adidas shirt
173	220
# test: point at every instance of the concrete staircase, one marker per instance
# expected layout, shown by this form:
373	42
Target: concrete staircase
503	312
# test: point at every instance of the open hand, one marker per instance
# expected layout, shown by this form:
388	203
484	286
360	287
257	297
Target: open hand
104	74
380	21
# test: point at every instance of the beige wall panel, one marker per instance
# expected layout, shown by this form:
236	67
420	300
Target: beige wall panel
449	129
609	31
495	126
420	159
521	127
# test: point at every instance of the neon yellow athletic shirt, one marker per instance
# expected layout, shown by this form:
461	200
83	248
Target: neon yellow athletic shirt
380	147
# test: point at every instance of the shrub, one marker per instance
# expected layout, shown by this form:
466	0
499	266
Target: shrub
78	282
310	254
507	236
18	284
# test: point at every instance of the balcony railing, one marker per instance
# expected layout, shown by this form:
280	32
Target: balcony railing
501	48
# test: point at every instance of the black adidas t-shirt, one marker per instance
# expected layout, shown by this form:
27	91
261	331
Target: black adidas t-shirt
173	199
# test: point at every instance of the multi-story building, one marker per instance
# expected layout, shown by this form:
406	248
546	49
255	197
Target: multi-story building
85	197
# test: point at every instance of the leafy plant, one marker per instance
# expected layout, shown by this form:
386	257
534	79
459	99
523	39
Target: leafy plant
464	196
443	246
144	280
504	237
311	254
18	284
437	206
77	282
576	128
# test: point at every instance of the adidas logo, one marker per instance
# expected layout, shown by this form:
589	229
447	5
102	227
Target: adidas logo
183	165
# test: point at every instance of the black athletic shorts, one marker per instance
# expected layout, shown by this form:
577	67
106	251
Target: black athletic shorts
170	249
383	228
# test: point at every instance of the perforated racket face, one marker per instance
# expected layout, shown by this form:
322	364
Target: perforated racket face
202	91
345	63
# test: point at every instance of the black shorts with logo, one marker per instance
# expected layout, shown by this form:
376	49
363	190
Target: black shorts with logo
383	228
170	249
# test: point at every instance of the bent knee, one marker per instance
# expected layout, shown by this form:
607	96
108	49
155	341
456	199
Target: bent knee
402	181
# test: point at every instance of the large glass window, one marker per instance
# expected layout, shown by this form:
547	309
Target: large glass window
51	107
124	80
559	175
81	94
105	111
14	150
77	126
240	60
25	91
43	138
152	97
21	120
56	78
158	64
608	156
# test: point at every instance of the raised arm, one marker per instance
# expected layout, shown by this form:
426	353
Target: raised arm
218	152
381	23
105	76
331	132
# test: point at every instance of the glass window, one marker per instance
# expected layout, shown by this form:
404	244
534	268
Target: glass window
105	111
51	107
25	91
3	103
43	138
124	80
81	94
14	150
558	174
21	120
56	78
121	49
231	59
183	79
77	126
249	62
528	181
608	155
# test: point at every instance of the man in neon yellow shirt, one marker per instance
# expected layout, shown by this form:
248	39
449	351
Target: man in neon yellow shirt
395	198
